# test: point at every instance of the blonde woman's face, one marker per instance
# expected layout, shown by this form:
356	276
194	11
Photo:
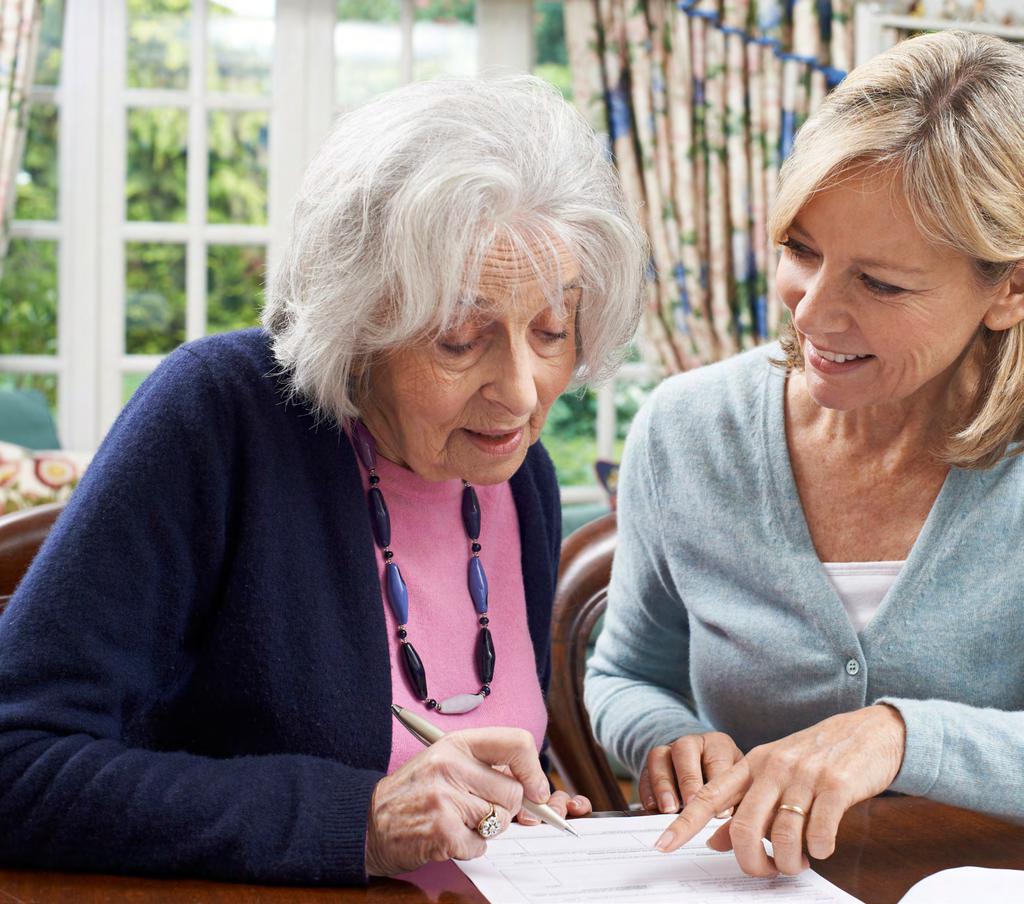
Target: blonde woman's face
470	404
881	314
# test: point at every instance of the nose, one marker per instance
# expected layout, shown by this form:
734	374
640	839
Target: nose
818	303
513	383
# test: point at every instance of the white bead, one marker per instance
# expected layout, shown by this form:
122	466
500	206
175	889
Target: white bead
460	703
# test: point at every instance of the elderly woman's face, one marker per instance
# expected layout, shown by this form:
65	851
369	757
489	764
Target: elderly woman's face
880	312
470	404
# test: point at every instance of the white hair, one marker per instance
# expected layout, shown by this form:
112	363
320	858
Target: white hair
402	204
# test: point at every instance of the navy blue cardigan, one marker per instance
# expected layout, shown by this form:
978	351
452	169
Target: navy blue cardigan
194	674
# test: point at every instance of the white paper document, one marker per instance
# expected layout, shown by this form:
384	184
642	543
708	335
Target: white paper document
614	860
968	883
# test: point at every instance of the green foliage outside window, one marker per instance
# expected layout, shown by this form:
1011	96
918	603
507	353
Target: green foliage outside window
37	182
28	298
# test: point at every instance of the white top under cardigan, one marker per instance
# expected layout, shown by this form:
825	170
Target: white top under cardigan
862	586
721	617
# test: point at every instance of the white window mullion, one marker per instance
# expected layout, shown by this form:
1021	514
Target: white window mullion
289	114
407	22
111	205
606	421
504	35
195	262
322	17
79	249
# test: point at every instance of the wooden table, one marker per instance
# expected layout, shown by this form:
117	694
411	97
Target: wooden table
885	846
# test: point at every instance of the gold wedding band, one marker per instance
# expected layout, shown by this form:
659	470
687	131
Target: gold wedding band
490	825
793	808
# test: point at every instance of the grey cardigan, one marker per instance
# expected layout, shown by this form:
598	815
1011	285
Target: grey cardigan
721	616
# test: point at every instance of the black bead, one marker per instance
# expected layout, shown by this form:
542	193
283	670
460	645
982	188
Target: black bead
476	547
485	690
484	655
484	620
414	670
471	513
374	480
402	633
380	521
388	555
431	704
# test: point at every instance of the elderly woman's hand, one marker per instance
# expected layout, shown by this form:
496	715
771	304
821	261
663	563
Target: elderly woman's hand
429	809
821	771
676	771
563	804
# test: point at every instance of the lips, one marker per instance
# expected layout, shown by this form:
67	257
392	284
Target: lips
495	442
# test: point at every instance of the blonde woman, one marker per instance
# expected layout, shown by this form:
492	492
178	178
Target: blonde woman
818	592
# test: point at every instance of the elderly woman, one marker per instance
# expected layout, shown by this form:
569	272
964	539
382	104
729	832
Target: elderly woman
196	673
817	593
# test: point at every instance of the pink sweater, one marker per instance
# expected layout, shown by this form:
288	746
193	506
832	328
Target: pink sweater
432	550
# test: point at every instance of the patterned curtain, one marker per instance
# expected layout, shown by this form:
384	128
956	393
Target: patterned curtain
701	101
19	36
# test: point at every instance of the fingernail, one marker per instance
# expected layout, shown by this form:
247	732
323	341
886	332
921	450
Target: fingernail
725	814
542	794
668	802
665	842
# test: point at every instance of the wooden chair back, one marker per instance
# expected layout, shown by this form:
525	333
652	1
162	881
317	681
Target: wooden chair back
21	535
580	600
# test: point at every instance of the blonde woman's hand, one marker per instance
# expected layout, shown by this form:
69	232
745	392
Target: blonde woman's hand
676	771
430	807
822	771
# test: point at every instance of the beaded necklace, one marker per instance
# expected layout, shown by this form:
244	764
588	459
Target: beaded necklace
398	594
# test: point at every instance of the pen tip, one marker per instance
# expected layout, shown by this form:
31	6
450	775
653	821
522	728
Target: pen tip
572	831
396	709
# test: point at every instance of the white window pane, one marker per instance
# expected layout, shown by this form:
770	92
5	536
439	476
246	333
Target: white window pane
235	275
157	149
154	302
158	43
444	46
238	152
240	46
367	50
28	298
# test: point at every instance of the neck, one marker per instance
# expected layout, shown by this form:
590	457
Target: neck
383	435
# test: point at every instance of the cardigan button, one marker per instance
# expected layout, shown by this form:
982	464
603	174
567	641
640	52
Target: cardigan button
852	667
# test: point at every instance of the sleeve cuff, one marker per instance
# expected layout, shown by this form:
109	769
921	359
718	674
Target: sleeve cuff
922	755
345	825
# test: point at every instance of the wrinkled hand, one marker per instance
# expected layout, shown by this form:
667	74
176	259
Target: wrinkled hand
560	802
563	804
429	809
824	769
675	772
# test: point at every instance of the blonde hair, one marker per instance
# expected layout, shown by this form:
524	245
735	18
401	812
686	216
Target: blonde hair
403	202
945	114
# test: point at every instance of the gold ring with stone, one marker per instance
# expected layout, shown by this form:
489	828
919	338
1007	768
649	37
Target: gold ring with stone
490	825
793	808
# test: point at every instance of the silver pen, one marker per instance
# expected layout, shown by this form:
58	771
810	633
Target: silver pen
427	734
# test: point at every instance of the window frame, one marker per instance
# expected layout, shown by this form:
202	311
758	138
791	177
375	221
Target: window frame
92	101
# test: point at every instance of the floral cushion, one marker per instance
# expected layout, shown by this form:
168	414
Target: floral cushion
30	478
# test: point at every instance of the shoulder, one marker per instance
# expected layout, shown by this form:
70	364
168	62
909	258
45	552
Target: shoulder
706	392
226	376
701	429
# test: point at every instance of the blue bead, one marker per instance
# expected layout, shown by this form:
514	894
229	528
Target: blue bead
365	446
478	585
380	521
471	513
398	596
